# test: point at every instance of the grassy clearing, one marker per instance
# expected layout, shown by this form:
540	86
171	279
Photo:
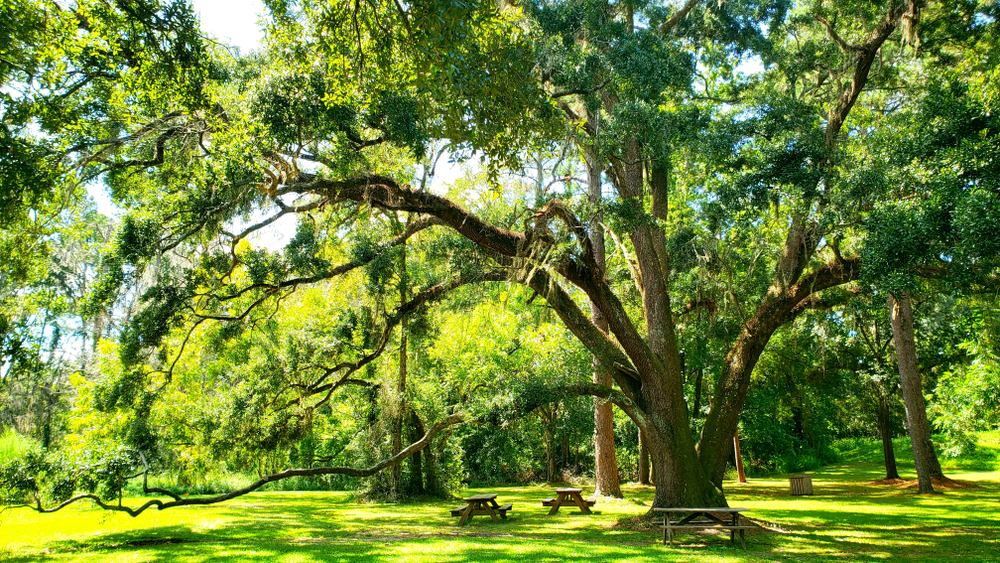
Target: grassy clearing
847	519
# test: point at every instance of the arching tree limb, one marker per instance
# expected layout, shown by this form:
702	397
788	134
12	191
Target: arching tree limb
734	381
286	474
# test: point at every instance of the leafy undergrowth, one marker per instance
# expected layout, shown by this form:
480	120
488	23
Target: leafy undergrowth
985	457
847	519
13	445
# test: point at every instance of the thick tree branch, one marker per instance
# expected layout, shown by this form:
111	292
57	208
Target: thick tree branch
831	32
386	193
596	341
734	380
866	55
671	23
581	91
539	397
286	474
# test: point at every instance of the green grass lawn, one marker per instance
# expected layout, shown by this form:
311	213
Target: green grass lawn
846	520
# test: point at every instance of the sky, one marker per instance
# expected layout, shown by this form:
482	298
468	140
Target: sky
232	21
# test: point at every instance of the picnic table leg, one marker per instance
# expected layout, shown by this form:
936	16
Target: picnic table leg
732	533
496	507
743	541
489	510
668	520
466	514
560	497
581	503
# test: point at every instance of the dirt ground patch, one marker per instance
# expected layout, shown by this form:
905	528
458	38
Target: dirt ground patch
944	484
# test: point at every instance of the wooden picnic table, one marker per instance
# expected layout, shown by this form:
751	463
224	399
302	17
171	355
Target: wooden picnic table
703	518
479	505
567	496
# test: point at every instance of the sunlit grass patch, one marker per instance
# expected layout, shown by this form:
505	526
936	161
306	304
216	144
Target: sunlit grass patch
847	519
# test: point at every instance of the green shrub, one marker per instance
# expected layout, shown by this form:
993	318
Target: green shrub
14	445
213	483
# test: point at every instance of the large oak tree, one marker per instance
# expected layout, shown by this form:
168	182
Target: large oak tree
327	121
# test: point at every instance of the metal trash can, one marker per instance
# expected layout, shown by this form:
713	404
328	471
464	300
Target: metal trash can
801	484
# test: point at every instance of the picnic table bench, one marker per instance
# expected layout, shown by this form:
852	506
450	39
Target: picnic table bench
568	496
702	518
481	505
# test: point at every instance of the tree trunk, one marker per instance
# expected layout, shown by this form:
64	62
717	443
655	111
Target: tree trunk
885	431
431	456
679	477
696	411
741	474
565	451
924	457
646	368
550	456
417	431
781	306
643	460
606	481
397	423
790	287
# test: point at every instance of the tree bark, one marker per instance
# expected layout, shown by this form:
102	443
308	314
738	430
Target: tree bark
606	481
548	415
741	474
924	457
679	477
416	485
550	456
643	461
696	410
395	477
565	451
885	432
646	369
431	457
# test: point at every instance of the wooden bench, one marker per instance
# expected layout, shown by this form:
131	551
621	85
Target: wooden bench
702	519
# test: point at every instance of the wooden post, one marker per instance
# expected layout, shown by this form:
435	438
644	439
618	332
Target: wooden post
739	459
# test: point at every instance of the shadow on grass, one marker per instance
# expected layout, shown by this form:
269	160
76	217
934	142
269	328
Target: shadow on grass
170	537
845	521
